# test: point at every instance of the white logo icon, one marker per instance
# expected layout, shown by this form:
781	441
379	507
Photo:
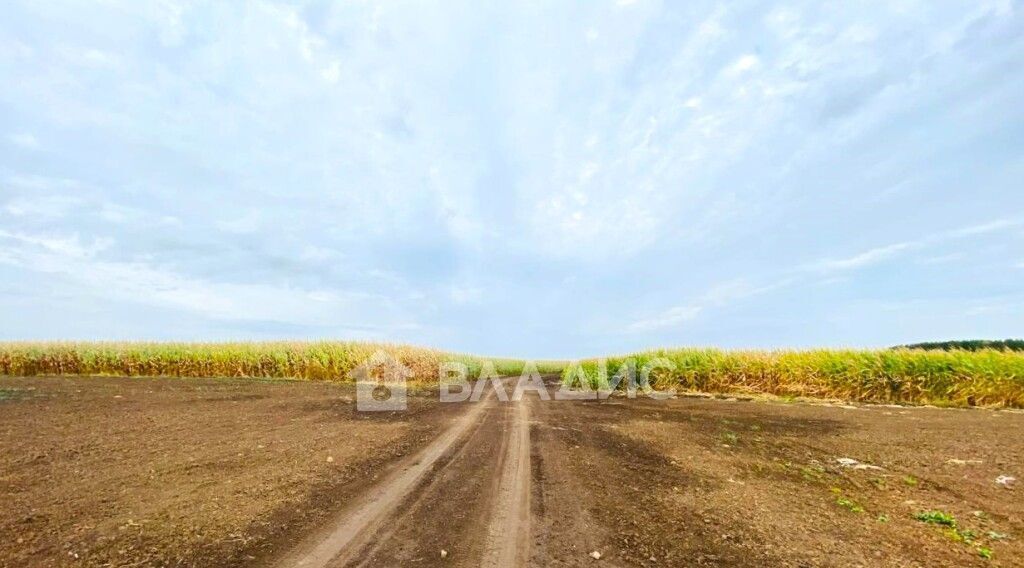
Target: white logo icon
381	383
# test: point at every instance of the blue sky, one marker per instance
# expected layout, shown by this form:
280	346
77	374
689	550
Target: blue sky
537	179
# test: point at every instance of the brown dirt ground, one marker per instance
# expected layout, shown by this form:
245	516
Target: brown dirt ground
732	483
183	472
218	472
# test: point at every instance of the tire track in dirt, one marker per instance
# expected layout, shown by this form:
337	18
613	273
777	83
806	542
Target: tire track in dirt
508	535
396	519
359	524
457	493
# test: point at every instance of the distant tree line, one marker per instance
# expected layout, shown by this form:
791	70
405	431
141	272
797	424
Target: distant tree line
968	345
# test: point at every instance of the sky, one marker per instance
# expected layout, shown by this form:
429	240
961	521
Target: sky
530	179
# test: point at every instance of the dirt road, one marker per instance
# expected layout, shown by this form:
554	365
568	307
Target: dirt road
169	472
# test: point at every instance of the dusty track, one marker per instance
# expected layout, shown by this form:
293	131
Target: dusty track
361	525
387	525
235	473
508	537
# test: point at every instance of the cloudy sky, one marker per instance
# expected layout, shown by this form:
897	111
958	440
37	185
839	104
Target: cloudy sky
537	179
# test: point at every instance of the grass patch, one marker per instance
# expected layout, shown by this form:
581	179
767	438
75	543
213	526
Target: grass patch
936	518
966	535
954	531
846	502
812	472
849	505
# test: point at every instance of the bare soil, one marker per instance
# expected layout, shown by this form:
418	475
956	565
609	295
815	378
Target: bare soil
219	472
695	482
184	472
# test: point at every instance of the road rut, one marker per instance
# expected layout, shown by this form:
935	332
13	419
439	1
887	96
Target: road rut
480	464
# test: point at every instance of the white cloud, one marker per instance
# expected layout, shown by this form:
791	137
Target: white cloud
44	183
671	317
722	294
943	258
65	246
142	283
317	254
24	140
42	206
466	295
985	228
733	291
247	223
866	258
888	252
1000	306
332	72
743	64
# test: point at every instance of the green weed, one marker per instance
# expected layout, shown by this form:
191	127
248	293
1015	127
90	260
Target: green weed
812	473
849	505
936	518
954	532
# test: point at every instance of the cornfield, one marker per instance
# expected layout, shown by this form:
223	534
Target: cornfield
326	360
945	378
948	378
